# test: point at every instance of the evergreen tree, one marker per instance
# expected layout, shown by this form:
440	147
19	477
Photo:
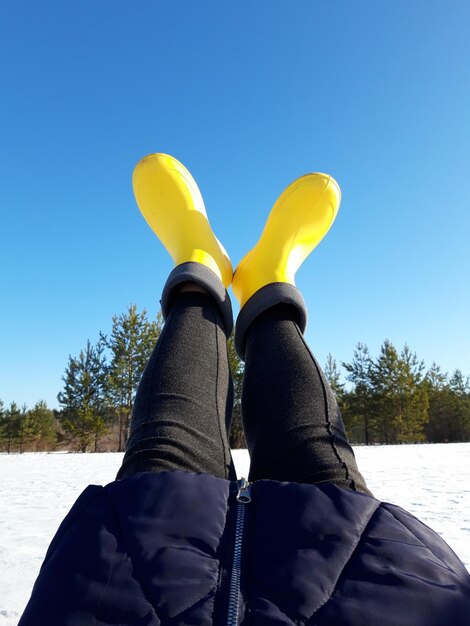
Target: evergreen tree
358	406
131	343
333	377
3	426
440	409
237	437
449	406
383	378
459	387
23	434
41	426
414	402
11	427
83	397
435	377
400	395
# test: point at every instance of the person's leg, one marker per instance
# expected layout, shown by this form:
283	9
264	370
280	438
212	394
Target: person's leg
292	423
183	407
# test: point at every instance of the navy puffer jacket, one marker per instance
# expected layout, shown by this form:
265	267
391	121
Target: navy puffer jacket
179	548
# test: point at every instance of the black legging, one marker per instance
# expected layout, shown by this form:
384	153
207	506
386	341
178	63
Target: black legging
183	407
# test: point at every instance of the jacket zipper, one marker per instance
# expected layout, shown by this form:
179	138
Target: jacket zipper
243	498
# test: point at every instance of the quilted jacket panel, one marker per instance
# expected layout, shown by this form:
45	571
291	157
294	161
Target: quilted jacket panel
158	548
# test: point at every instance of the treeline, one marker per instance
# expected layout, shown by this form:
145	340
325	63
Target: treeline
393	398
388	399
99	387
22	429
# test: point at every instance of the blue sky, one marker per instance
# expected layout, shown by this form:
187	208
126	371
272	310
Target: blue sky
249	96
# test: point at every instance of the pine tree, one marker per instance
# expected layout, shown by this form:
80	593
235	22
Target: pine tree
438	427
11	427
459	387
237	436
41	426
131	342
3	426
358	405
83	397
414	401
400	395
449	406
333	377
23	434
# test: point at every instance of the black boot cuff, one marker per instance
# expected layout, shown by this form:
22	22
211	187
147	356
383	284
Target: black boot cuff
205	277
265	298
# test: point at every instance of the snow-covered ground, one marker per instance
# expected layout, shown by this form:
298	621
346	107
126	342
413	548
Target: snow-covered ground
37	490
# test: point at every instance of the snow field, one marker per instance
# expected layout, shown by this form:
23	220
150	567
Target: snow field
37	490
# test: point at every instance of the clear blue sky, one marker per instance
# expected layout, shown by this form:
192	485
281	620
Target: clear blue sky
249	96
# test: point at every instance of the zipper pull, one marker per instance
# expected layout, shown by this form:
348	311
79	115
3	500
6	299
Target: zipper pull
244	491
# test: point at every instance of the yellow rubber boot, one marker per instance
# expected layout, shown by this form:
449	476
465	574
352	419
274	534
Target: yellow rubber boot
170	201
298	221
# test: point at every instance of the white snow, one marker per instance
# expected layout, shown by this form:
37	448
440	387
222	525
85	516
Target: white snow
37	490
